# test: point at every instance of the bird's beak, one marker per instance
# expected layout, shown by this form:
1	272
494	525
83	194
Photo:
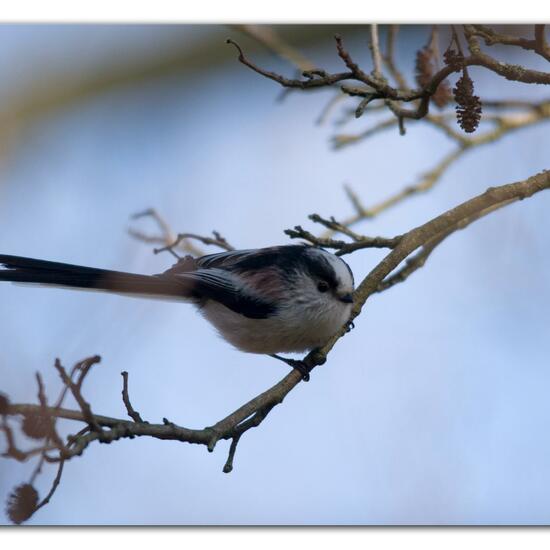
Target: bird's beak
347	298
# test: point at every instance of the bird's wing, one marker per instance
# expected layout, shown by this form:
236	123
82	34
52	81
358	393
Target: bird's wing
224	259
223	287
252	259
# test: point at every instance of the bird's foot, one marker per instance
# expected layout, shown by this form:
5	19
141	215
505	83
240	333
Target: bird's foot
300	366
297	364
349	326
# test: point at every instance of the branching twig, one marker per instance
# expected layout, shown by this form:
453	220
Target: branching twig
334	100
537	45
503	125
132	413
389	58
77	394
308	83
269	38
375	86
53	489
375	51
509	72
166	237
407	252
342	247
173	242
218	241
166	232
106	429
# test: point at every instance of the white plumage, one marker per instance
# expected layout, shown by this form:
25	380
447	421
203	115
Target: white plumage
279	299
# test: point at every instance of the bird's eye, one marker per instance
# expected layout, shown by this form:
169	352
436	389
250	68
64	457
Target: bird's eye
322	286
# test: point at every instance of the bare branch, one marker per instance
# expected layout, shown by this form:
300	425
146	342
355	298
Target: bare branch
342	247
390	55
218	241
308	83
268	37
132	413
334	100
456	218
428	180
541	45
173	242
407	252
503	125
76	391
337	226
341	140
166	237
54	487
228	467
411	265
250	415
537	45
375	51
378	88
506	70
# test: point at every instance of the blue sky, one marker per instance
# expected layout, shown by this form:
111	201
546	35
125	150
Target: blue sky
433	410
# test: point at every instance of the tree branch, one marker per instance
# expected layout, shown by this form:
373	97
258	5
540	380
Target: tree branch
250	415
269	38
132	413
172	242
509	72
375	51
407	252
537	45
392	96
503	125
391	40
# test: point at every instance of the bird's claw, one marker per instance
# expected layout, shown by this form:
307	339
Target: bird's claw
300	366
349	326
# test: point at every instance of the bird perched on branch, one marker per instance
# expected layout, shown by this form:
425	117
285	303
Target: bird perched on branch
268	300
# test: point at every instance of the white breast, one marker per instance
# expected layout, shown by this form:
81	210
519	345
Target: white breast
292	329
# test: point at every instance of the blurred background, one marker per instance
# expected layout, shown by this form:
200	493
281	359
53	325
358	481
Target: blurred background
433	410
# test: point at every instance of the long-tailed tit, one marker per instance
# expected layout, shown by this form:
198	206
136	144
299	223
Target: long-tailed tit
268	300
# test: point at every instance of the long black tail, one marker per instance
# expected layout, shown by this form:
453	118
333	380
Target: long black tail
28	270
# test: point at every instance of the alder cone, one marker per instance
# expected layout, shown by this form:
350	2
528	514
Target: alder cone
22	503
468	109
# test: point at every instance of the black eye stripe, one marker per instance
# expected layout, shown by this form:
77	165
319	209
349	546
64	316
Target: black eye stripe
289	259
321	269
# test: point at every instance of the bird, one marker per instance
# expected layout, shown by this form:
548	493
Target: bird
279	299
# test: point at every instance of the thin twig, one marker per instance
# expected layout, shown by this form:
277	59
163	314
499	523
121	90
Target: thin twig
427	181
218	241
250	415
537	45
228	466
342	247
390	55
53	489
83	404
268	37
375	51
166	237
331	223
132	413
334	100
393	97
503	125
255	411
